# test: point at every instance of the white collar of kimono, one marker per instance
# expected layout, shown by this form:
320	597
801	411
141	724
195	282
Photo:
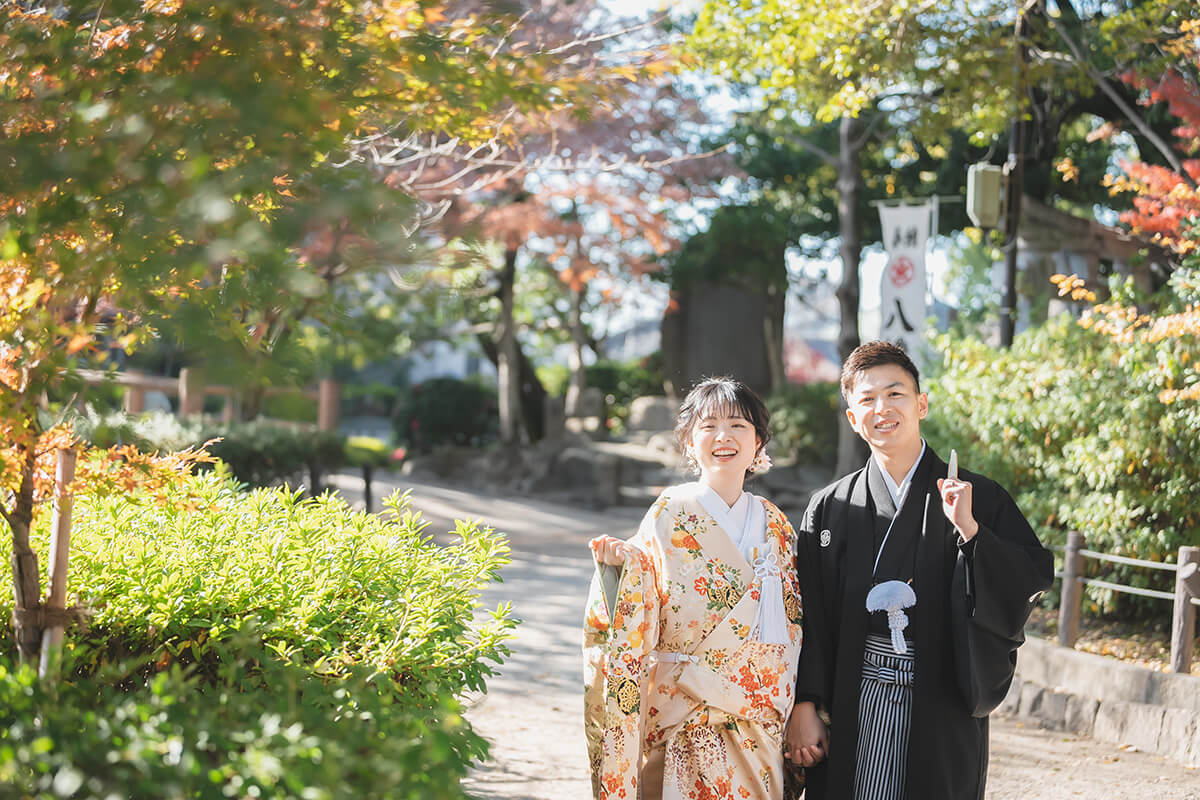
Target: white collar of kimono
750	538
745	521
899	492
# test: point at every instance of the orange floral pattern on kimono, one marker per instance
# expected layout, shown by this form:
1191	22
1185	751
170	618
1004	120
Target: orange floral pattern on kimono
710	725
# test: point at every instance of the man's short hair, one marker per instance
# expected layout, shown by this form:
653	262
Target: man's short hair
876	354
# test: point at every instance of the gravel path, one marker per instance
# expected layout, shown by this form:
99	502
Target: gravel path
532	712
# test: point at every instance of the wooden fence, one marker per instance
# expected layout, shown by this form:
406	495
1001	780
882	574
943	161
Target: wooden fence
1186	595
191	390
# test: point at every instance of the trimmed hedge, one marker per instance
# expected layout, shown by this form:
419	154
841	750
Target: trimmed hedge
278	642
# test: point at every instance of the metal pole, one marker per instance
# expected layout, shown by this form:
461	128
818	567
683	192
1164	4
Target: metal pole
1015	169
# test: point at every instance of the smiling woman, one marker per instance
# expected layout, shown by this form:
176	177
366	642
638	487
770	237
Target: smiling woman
693	627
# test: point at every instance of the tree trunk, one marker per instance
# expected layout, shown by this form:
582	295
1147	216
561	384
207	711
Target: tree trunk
852	452
27	590
578	341
531	394
507	359
773	336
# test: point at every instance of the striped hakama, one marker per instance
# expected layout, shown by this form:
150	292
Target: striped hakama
884	719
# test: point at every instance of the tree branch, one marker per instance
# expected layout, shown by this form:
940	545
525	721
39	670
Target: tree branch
1121	103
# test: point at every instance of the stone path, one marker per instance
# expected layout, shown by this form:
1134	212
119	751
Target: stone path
532	712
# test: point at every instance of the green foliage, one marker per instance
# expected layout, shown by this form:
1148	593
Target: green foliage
369	399
969	281
743	244
1072	423
175	736
555	378
367	451
325	588
263	453
259	453
804	423
448	411
273	647
293	406
837	58
622	381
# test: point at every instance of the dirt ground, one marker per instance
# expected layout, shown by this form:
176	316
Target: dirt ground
532	712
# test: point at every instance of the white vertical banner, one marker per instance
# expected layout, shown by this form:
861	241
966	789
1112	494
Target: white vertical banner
902	308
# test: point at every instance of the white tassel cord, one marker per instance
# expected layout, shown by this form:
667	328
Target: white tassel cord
892	596
770	622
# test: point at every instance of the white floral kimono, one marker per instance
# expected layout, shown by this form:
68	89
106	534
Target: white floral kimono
683	699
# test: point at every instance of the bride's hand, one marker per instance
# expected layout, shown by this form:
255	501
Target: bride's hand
610	550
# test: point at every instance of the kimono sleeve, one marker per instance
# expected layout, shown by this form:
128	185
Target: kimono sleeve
620	631
998	579
814	671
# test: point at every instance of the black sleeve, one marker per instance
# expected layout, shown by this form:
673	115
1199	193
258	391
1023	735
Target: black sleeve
998	579
814	670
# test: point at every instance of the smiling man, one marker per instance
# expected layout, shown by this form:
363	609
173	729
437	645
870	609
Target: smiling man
916	586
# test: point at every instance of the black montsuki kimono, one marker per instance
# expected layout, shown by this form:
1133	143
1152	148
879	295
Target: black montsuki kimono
972	604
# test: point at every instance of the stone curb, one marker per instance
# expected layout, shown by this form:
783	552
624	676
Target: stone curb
1110	701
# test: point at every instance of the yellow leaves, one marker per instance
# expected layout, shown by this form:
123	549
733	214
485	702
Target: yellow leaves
1074	286
163	7
1067	168
78	342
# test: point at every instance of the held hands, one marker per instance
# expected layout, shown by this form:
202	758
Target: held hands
956	505
806	740
609	550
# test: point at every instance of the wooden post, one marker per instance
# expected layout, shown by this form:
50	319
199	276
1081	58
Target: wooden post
60	548
191	392
1072	591
135	396
1183	622
327	405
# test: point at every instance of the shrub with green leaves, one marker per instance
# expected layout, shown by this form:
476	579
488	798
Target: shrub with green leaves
320	647
173	735
448	411
804	423
327	587
1072	423
259	453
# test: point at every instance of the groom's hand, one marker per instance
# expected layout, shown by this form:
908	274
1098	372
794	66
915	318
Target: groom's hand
956	505
806	739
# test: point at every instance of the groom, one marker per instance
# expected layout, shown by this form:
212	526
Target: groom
896	706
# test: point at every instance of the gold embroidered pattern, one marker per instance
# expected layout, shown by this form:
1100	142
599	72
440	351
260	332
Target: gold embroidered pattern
791	607
627	694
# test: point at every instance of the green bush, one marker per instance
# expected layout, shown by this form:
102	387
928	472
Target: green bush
176	736
327	587
263	453
369	399
1071	422
259	453
622	381
804	423
448	411
295	405
285	644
